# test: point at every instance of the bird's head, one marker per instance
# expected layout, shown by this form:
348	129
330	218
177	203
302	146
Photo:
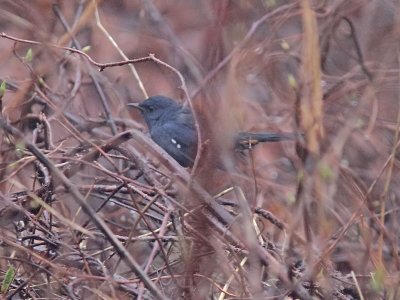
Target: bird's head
157	109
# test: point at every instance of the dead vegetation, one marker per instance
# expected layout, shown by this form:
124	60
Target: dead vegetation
91	208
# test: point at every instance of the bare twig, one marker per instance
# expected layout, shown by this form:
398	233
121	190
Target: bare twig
125	255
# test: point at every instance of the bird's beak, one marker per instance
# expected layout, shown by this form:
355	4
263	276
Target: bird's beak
135	105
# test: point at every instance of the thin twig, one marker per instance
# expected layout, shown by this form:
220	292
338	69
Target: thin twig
77	196
114	43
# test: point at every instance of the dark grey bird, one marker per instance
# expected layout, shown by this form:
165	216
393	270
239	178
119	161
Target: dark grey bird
172	127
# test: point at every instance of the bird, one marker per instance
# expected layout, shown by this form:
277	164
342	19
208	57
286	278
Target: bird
172	126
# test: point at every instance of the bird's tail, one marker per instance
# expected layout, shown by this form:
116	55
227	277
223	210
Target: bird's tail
247	140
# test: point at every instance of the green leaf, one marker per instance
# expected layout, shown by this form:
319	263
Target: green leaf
326	171
19	149
377	279
292	81
270	3
8	278
86	49
300	176
3	87
29	55
41	81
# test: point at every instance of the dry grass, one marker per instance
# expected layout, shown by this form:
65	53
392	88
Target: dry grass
91	208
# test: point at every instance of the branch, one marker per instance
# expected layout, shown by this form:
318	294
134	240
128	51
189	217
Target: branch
80	200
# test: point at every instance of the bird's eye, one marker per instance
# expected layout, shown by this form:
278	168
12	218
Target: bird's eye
150	107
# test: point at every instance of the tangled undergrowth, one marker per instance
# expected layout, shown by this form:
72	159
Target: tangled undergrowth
91	207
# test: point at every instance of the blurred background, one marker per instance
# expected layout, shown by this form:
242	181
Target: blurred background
313	218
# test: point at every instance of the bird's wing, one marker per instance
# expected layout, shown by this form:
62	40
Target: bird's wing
179	141
184	135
